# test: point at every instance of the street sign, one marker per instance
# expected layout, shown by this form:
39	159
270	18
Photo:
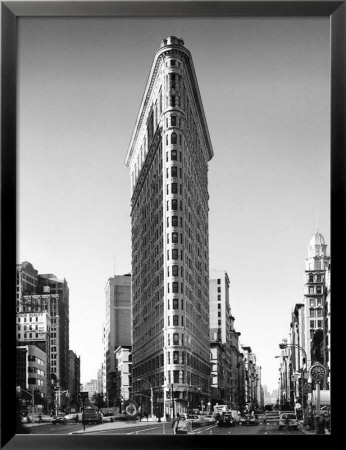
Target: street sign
317	372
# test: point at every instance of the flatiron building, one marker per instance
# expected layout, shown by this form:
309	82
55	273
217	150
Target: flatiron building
168	162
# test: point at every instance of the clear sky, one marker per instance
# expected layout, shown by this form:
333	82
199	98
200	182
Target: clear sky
265	87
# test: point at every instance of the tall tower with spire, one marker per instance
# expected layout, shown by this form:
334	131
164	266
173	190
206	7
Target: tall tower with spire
316	338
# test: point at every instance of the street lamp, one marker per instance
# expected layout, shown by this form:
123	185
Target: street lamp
151	394
58	395
284	345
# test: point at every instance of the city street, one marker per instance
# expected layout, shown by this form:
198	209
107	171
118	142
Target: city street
155	428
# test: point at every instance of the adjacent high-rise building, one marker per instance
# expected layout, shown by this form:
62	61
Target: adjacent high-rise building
117	327
74	379
43	321
168	161
315	339
220	314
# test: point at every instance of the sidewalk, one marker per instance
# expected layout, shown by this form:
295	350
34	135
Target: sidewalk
104	427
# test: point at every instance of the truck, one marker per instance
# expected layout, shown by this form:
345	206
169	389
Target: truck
91	415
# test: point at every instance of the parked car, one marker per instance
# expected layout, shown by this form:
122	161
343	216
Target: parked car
209	419
288	420
203	420
226	420
58	419
194	420
37	418
108	417
43	418
248	419
72	417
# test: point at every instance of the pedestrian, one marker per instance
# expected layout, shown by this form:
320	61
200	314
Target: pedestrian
320	425
167	417
175	419
182	426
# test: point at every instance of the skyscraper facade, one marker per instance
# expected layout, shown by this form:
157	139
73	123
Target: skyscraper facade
117	328
317	302
168	161
220	314
43	319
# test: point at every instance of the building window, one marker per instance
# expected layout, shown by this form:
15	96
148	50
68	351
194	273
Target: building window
175	253
175	238
312	302
218	289
319	302
319	324
174	155
175	287
173	121
174	171
174	137
175	303
174	204
219	314
319	312
175	338
311	278
175	357
175	270
176	321
219	322
312	312
172	62
319	290
174	188
311	290
312	324
174	221
175	376
219	281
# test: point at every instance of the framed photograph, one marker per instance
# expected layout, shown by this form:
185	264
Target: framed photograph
78	89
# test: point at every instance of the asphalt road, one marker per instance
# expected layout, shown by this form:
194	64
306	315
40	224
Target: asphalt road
155	428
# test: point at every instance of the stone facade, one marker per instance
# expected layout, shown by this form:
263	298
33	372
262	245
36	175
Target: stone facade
168	161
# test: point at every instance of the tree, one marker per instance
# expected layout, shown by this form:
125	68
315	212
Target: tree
97	400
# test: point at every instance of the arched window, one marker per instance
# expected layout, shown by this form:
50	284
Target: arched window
174	138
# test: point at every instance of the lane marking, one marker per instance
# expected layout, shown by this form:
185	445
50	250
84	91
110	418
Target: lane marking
204	429
146	429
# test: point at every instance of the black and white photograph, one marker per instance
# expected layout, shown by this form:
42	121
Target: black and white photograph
173	227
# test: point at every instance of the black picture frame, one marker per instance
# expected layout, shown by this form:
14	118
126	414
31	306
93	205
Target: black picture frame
10	11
